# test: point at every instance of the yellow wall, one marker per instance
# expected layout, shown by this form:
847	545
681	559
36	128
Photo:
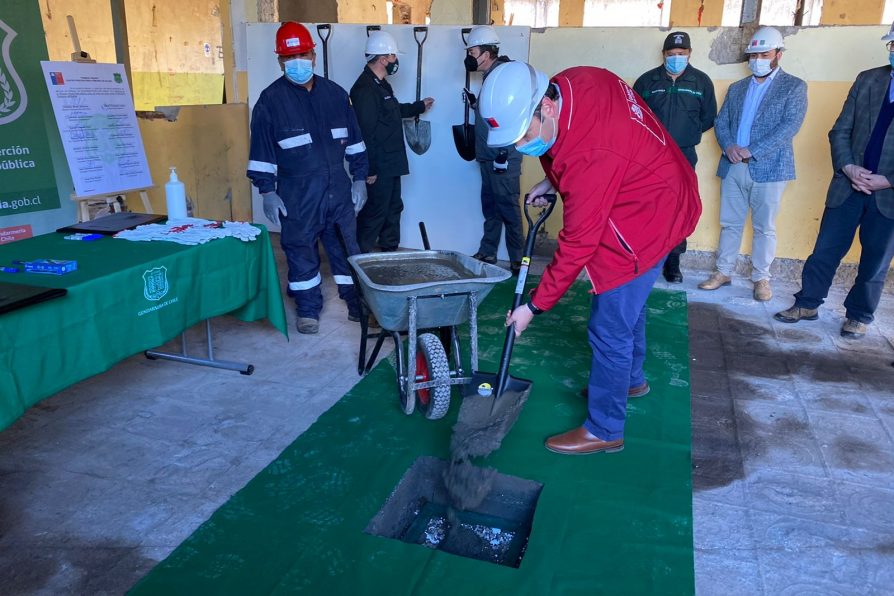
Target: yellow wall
209	147
167	45
813	54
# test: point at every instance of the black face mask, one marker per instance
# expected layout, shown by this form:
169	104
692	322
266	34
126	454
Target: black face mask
392	67
471	63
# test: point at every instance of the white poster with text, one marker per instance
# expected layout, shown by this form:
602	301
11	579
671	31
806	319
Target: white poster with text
95	115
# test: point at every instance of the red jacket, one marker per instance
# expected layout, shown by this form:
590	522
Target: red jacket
629	194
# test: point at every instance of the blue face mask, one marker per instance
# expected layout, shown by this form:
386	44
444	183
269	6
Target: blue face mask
299	70
676	64
891	58
537	146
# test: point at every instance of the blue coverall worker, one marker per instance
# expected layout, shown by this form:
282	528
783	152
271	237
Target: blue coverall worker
302	130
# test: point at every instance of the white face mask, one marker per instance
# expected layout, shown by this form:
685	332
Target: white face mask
761	67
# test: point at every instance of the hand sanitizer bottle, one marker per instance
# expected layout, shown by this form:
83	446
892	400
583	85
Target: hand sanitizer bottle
175	196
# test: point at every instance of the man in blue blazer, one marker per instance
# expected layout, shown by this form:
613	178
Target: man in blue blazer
860	196
755	127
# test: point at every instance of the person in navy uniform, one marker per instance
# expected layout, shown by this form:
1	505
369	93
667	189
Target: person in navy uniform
381	116
302	130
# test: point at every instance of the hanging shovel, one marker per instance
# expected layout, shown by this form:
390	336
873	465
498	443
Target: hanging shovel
464	134
418	134
325	40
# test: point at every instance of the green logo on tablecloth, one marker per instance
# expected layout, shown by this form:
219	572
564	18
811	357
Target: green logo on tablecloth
155	283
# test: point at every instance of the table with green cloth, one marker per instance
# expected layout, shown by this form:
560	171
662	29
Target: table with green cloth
124	298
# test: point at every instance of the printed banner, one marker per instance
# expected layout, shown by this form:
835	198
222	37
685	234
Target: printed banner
27	181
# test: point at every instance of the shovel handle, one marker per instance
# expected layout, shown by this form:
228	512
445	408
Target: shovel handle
424	233
325	39
370	28
416	32
509	341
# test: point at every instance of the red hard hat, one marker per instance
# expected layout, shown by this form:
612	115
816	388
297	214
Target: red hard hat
293	38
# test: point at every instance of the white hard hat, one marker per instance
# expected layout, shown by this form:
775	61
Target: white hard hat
483	35
764	40
380	43
511	93
890	35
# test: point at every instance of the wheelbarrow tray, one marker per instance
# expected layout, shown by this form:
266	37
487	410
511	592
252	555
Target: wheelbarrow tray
389	301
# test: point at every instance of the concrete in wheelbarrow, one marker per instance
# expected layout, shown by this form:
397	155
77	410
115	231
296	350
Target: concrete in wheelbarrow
793	453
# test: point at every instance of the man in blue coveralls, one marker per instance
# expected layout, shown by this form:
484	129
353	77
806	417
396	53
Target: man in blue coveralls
302	130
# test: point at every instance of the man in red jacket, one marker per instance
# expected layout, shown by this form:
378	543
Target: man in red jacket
629	195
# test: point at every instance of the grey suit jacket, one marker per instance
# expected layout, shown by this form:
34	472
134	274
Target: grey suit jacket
850	135
778	120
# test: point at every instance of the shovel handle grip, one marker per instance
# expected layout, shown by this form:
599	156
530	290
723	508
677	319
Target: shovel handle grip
370	28
509	341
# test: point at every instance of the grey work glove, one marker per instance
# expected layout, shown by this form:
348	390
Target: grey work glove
272	206
358	195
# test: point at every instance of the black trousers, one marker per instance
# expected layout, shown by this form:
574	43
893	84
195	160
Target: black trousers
836	235
673	258
378	223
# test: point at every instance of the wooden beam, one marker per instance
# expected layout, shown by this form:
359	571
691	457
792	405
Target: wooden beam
852	12
695	13
122	47
571	13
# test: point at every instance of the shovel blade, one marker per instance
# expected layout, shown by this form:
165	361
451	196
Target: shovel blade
485	420
418	135
464	139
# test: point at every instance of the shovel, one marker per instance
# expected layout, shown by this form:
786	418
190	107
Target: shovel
464	134
325	40
418	133
493	401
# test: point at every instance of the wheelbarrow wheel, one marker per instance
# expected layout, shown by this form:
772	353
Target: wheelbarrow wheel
432	365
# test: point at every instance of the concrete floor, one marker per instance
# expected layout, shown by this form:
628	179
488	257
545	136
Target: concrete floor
793	450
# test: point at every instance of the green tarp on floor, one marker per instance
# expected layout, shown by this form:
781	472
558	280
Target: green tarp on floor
607	523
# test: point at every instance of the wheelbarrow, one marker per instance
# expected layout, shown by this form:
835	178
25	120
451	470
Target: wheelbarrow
416	294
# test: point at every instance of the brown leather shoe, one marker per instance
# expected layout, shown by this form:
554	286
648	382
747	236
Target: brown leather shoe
717	280
638	391
795	314
762	290
579	441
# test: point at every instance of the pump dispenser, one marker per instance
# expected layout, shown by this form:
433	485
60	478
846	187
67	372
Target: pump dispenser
175	196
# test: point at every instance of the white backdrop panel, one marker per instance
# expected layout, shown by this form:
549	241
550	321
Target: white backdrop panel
442	189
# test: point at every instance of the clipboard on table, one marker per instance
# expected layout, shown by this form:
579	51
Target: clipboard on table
114	223
16	296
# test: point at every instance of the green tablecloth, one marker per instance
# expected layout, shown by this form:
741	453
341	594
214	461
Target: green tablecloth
124	298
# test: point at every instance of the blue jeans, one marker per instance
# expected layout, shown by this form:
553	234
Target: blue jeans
617	332
836	235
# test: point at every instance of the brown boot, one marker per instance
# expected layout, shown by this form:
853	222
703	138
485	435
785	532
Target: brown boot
762	290
717	280
853	329
795	314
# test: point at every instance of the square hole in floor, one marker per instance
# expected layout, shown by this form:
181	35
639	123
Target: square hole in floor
496	531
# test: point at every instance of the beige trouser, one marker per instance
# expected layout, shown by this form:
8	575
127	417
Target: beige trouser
738	193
